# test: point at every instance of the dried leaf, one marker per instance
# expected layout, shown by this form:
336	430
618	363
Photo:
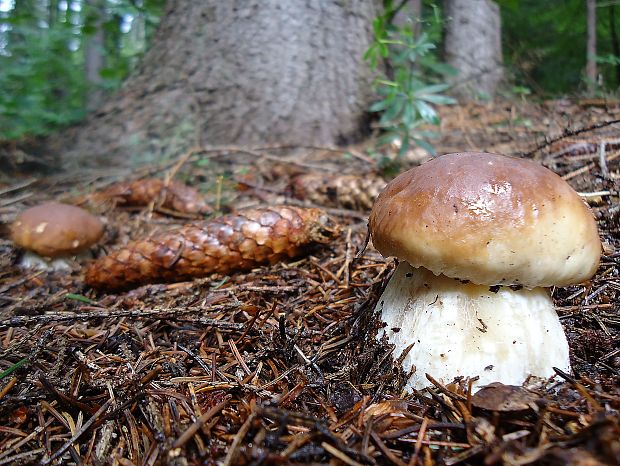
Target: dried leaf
19	415
504	398
385	407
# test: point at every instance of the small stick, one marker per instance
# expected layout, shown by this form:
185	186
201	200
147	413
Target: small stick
354	153
444	390
418	443
364	245
385	450
201	421
238	357
297	442
8	387
249	326
182	160
348	258
173	313
18	186
78	434
339	454
16	199
18	282
580	388
233	452
571	133
595	194
65	399
218	193
587	167
21	456
601	160
196	358
25	440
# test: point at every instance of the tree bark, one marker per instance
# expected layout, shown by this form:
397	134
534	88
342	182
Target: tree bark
94	58
615	43
591	44
411	10
239	72
473	46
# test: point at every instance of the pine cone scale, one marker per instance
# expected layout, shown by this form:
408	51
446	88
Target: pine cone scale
172	195
232	242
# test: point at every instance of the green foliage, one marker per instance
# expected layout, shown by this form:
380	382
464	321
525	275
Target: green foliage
80	298
40	86
608	59
411	85
539	40
545	44
522	91
43	84
13	368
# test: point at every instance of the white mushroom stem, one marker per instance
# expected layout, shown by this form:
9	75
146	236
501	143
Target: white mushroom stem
462	329
31	260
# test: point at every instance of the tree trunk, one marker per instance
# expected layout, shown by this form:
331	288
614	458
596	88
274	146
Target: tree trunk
615	43
94	52
239	72
24	14
473	46
52	12
411	10
591	44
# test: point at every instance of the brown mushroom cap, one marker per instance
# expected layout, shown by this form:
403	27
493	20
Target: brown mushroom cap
53	229
487	218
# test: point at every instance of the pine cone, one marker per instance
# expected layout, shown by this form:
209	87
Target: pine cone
347	191
176	196
232	242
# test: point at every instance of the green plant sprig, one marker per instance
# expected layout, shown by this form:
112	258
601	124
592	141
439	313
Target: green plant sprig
409	85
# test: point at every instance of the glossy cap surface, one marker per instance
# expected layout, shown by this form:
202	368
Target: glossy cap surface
489	219
54	229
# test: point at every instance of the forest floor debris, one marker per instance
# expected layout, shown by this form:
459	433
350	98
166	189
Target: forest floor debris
279	365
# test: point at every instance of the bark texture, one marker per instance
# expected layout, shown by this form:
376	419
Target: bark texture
242	72
94	57
410	12
473	46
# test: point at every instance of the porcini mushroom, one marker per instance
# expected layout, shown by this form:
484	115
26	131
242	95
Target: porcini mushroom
55	231
480	236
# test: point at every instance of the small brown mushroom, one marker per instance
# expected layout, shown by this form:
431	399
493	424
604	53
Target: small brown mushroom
54	230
